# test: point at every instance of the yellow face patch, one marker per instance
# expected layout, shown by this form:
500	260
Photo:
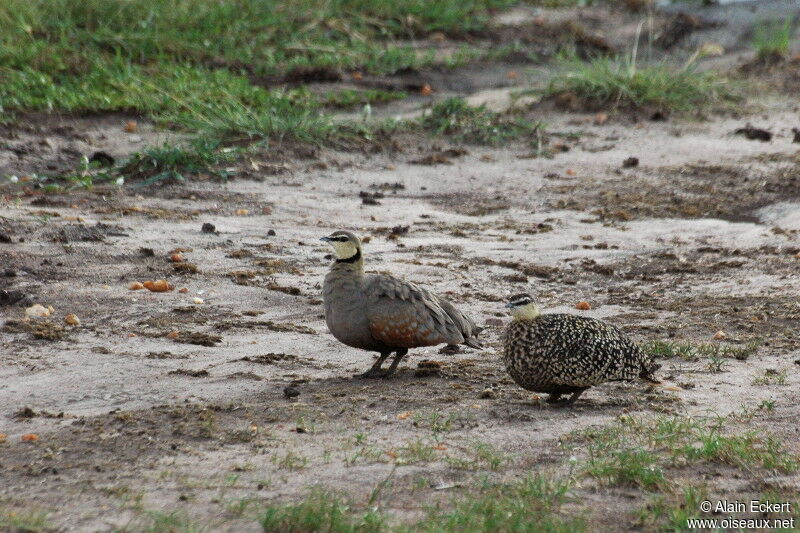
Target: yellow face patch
343	250
525	312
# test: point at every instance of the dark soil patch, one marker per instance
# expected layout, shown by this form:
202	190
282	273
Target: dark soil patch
776	72
728	192
39	329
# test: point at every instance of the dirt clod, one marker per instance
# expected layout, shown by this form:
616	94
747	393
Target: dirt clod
754	134
102	158
191	373
12	297
630	162
201	339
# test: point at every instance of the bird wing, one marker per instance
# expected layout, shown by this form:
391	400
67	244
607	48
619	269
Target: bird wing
403	314
469	330
593	351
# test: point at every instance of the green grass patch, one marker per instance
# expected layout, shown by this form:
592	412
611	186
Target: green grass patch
530	505
479	125
174	522
290	461
694	351
620	82
192	64
438	421
482	456
669	349
151	165
261	36
24	520
637	451
138	55
349	98
772	377
321	511
771	39
628	467
669	512
175	162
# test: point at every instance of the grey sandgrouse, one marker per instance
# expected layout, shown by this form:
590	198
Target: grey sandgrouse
384	314
566	354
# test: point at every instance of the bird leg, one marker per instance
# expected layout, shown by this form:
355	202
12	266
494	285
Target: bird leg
556	398
399	354
376	371
575	396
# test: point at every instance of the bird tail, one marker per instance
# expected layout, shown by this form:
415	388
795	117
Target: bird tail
474	343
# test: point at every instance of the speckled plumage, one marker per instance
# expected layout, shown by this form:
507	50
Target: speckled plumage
384	314
566	354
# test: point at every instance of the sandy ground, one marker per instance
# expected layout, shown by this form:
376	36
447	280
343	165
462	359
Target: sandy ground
133	414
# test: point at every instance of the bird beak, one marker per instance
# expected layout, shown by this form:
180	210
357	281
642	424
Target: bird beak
509	305
325	239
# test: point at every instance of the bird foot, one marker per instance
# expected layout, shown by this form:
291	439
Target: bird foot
557	401
374	373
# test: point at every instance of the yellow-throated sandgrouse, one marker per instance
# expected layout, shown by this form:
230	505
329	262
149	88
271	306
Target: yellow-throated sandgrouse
384	314
566	354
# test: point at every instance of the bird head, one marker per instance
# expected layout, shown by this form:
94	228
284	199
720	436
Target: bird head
346	246
523	306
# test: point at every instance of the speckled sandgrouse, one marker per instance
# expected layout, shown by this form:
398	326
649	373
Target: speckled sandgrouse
566	354
384	314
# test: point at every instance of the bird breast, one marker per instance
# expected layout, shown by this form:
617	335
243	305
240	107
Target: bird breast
345	311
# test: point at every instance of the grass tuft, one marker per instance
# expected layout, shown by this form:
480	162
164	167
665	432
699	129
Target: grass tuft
477	125
670	512
772	377
692	352
518	506
174	522
268	115
617	82
174	162
533	504
27	521
349	98
635	451
320	511
771	39
628	467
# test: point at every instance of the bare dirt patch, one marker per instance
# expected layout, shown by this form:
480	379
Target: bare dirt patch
227	394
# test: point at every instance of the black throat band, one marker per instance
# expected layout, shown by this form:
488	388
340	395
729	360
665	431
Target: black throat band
351	259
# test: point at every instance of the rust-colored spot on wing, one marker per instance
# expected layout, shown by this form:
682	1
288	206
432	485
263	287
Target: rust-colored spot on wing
402	331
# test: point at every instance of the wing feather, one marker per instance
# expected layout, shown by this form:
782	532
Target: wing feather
403	314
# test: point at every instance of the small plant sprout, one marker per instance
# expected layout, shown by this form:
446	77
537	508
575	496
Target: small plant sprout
772	38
